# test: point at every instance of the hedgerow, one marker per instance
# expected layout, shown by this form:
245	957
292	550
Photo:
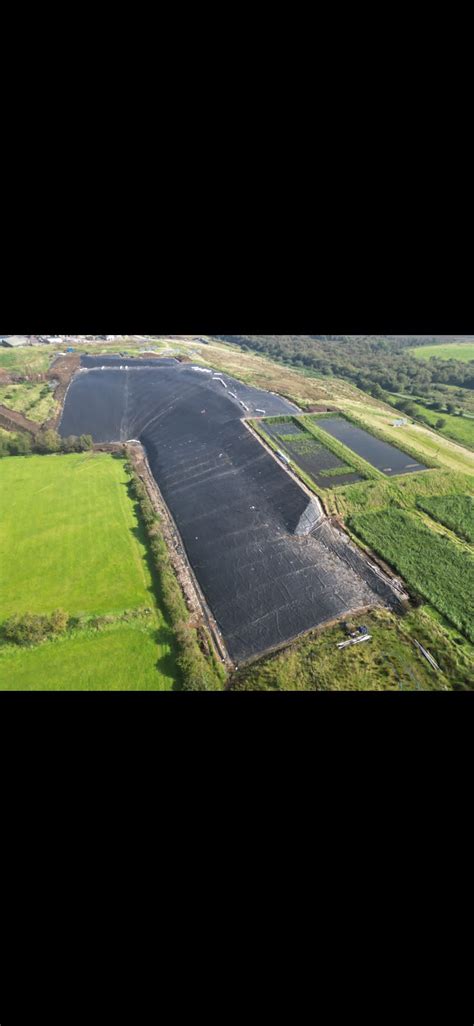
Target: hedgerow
199	673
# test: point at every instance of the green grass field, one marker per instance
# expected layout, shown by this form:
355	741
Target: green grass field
460	429
30	360
68	535
401	492
35	400
123	658
455	512
440	570
70	539
451	351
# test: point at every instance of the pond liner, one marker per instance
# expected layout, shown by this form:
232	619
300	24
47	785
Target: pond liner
245	524
382	455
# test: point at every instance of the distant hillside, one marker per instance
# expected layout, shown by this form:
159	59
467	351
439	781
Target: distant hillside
372	362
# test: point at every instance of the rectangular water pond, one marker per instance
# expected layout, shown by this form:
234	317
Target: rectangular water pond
381	455
326	469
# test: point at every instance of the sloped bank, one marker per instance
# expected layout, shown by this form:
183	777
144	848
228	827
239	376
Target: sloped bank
197	659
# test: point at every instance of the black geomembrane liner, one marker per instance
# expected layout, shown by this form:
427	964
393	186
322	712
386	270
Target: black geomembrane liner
235	507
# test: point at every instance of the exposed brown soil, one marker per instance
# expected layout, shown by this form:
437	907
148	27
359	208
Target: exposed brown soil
11	420
63	371
315	408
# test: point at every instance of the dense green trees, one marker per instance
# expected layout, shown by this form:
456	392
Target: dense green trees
45	442
370	362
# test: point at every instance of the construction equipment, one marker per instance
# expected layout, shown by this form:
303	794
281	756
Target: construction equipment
354	641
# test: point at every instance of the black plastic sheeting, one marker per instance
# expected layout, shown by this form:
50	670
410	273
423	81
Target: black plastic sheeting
241	517
385	457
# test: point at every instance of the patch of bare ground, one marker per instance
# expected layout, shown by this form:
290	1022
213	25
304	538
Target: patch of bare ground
62	371
11	420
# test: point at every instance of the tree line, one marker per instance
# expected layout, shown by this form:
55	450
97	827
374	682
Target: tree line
377	362
42	444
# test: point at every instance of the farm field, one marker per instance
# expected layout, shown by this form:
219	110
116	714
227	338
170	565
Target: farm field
439	569
70	539
35	400
455	512
450	351
460	429
123	658
72	529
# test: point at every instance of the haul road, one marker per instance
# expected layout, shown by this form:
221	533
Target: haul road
269	565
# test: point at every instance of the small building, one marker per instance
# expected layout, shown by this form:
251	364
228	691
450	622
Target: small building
13	341
399	423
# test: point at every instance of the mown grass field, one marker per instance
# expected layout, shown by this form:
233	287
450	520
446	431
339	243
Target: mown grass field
440	570
450	351
123	658
34	399
70	539
454	511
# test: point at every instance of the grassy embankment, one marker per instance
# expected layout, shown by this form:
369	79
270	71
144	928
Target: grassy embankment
27	360
389	662
70	539
35	400
460	429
